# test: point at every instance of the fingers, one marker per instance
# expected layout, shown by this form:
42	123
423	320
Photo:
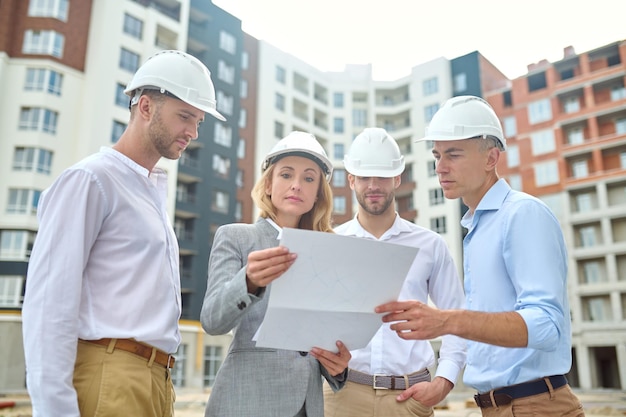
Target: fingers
266	265
335	363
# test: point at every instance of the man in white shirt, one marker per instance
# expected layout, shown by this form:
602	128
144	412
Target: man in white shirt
390	376
102	300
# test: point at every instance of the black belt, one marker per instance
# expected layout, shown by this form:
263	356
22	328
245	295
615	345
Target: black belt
378	381
504	396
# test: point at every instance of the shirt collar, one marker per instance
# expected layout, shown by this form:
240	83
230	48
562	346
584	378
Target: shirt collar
398	227
275	226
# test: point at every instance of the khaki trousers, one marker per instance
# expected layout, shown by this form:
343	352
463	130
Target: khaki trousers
358	400
112	383
560	402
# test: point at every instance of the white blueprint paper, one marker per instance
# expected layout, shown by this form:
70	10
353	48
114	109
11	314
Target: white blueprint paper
330	291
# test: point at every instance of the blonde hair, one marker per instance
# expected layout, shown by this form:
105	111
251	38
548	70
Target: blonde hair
318	218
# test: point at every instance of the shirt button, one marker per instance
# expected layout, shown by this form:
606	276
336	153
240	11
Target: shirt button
241	305
303	353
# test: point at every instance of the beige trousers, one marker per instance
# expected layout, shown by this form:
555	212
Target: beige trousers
363	401
113	383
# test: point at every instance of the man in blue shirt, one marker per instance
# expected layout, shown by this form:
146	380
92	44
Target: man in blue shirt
515	272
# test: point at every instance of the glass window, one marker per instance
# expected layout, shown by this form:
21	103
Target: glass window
225	72
338	125
515	181
438	224
510	126
543	142
57	9
243	89
35	78
571	105
11	289
23	159
587	236
460	83
219	201
339	178
43	42
279	102
539	111
243	118
228	42
575	136
221	166
338	100
133	26
338	151
431	167
512	156
212	362
359	117
281	75
22	201
339	204
223	135
129	60
121	99
430	86
618	93
580	169
546	173
245	60
38	119
279	129
435	196
620	126
225	103
117	130
429	111
44	161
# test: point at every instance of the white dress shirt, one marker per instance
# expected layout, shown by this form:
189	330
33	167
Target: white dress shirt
433	274
104	264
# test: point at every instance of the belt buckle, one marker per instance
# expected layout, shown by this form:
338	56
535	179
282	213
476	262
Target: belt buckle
374	382
169	361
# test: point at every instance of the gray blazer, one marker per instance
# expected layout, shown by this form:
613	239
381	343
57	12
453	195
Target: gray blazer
254	382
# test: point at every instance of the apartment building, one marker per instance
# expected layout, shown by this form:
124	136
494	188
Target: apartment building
565	124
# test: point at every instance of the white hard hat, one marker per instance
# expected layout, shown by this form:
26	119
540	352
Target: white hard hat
178	74
465	117
300	144
374	153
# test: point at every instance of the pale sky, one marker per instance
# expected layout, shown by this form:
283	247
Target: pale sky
396	35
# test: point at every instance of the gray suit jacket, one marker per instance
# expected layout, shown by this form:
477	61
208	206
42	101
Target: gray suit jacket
254	382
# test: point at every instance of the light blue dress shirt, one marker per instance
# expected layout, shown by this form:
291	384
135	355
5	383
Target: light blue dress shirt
515	259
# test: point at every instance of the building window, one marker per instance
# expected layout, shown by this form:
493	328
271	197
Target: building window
34	118
546	173
279	130
339	204
339	178
359	117
338	151
512	156
221	166
279	102
281	75
622	159
225	72
584	202
57	9
39	79
129	60
575	136
580	169
15	245
430	86
24	160
591	272
460	83
225	103
597	308
43	42
11	289
117	130
515	181
618	93
571	105
219	202
543	142
587	236
243	89
510	126
438	224
243	118
228	42
338	125
620	126
338	100
223	135
22	201
186	192
178	373
435	196
245	60
212	362
241	149
429	112
121	99
431	167
133	26
539	111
